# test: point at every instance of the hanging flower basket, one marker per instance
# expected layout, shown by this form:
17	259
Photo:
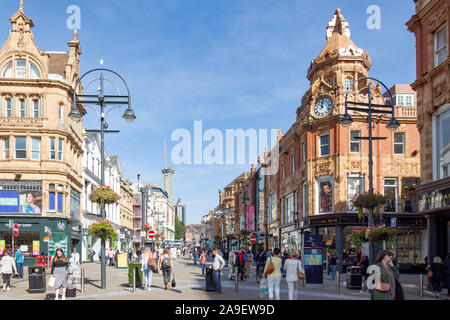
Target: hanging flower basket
368	201
147	227
103	229
381	232
357	237
103	195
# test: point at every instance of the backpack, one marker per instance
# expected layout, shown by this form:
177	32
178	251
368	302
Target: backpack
166	263
241	258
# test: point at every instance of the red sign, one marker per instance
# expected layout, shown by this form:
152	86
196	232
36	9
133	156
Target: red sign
16	230
253	239
151	234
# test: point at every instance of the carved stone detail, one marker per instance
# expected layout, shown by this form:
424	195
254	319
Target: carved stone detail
21	122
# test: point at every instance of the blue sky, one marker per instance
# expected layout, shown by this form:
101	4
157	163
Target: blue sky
229	63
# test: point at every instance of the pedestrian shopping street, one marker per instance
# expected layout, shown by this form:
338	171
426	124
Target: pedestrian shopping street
191	285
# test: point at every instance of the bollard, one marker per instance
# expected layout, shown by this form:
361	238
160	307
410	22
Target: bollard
420	285
338	282
134	280
82	281
236	282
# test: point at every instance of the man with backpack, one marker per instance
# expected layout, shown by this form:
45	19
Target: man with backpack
241	263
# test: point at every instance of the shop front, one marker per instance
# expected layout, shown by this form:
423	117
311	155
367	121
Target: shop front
32	231
290	238
409	246
434	203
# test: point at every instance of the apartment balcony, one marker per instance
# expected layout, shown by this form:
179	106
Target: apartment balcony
406	112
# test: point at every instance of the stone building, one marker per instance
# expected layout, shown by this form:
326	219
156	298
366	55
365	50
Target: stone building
126	214
322	164
193	234
41	147
430	25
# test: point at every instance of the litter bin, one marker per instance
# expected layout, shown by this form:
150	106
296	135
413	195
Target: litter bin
354	278
131	267
36	279
210	284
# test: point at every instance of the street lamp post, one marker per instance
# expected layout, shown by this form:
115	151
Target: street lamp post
103	101
370	109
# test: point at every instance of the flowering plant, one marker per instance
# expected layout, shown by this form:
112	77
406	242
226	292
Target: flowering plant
147	227
366	200
103	195
103	229
381	232
357	236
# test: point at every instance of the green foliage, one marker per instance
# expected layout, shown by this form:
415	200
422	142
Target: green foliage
367	201
103	229
103	195
180	229
357	236
381	231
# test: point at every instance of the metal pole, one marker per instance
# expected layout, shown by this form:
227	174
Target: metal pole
103	215
236	282
371	216
421	285
82	280
134	280
338	282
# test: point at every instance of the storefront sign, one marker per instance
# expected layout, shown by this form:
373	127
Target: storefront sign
2	246
434	200
36	248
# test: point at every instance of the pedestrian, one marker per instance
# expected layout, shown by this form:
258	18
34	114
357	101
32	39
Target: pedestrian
148	266
274	278
100	255
389	287
91	254
166	266
291	265
447	272
7	266
74	261
226	256
59	271
241	263
365	265
283	260
111	254
178	253
130	254
333	266
19	262
195	256
217	267
437	275
203	262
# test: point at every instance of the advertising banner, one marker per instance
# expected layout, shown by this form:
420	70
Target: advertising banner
36	248
313	252
27	202
250	218
122	261
2	246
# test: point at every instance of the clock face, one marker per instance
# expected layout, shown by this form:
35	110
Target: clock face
323	107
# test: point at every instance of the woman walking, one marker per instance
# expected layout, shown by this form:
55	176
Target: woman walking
165	264
148	266
274	277
60	264
74	261
8	265
437	268
389	287
203	262
291	264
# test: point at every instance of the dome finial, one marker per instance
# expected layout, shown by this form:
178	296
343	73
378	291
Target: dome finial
338	24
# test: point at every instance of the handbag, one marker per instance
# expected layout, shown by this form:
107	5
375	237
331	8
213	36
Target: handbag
151	262
430	274
300	275
174	283
270	268
51	282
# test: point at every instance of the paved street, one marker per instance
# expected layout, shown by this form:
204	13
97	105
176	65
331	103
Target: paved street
190	286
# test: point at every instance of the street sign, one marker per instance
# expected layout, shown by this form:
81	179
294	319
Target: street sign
253	239
151	234
16	230
393	222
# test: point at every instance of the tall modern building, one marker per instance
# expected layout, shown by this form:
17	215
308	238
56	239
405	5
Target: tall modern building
180	211
168	174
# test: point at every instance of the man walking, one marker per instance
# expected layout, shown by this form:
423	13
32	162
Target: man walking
218	265
195	254
19	262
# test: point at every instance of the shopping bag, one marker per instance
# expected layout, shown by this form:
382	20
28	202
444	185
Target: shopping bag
263	288
51	282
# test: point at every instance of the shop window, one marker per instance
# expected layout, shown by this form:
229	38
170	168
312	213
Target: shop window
390	193
24	241
20	147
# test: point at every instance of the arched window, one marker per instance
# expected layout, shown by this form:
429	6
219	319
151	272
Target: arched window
21	68
34	71
7	71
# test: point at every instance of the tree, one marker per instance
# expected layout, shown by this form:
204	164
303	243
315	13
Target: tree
180	229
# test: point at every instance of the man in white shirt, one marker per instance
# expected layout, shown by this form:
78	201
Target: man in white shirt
218	265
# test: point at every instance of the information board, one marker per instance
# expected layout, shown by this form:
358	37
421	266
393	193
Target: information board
313	253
